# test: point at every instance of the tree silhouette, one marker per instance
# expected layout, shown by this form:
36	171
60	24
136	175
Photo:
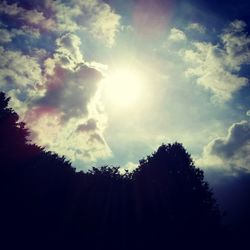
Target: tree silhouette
174	198
164	203
33	183
13	133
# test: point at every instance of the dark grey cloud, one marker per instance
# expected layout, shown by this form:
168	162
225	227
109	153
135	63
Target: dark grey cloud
90	125
91	128
71	91
238	137
234	149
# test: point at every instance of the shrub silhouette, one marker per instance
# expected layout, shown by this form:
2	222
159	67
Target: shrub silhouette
164	203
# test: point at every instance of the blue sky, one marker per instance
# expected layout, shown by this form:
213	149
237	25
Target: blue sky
106	82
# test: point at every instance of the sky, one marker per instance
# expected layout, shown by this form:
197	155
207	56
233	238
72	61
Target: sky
107	82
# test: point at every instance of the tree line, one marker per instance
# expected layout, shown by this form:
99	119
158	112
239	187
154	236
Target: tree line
46	204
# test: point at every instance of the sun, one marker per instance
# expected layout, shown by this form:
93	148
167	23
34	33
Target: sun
123	87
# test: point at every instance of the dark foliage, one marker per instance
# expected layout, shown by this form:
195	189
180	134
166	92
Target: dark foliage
45	204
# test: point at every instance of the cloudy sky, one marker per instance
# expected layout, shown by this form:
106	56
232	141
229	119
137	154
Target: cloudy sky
106	82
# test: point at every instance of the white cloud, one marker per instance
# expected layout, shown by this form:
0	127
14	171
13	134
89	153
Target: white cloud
20	76
7	35
68	52
236	44
177	35
104	23
30	17
62	138
216	67
207	64
231	151
196	27
94	17
63	15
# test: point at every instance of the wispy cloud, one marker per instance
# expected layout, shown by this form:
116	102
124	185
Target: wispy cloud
177	35
196	27
216	66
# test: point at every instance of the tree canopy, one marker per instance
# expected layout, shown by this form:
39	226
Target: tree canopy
164	203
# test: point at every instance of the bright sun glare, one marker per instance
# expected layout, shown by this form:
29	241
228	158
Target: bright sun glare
123	87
